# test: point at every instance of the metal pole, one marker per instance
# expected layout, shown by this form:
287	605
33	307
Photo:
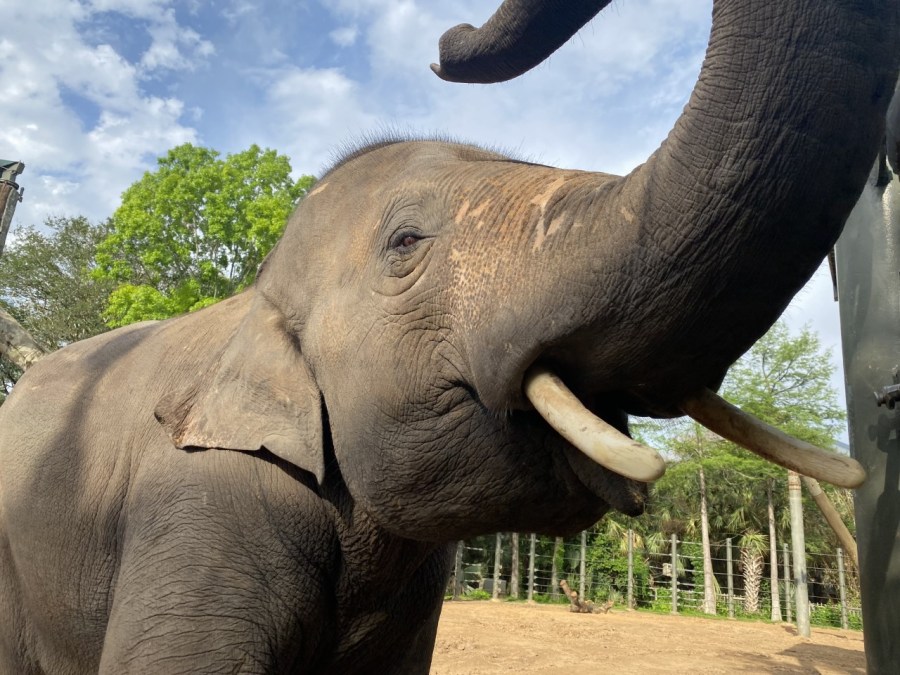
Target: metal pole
531	568
498	550
581	564
798	541
630	569
730	569
674	575
843	589
868	259
786	557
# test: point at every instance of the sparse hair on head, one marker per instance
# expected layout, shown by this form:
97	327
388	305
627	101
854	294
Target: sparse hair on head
367	142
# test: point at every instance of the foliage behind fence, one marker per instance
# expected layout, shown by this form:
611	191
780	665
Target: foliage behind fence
606	577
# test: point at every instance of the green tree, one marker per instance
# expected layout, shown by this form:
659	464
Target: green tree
784	380
46	284
195	230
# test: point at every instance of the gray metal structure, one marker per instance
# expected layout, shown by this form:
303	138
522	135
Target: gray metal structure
868	271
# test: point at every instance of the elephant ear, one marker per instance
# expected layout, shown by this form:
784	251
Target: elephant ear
259	394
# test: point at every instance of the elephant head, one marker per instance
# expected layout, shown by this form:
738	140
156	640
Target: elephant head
430	293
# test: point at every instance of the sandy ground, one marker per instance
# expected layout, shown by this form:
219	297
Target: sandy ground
476	638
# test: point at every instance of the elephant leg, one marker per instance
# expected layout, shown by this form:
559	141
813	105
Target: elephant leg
12	626
417	659
176	612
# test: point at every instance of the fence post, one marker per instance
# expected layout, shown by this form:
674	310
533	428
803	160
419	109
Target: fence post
531	568
730	566
581	564
843	588
630	569
458	570
495	590
674	574
786	557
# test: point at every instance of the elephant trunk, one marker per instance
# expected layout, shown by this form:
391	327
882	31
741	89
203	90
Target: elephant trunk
519	36
752	187
697	252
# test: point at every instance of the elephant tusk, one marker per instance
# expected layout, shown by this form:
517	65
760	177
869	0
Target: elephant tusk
600	441
718	415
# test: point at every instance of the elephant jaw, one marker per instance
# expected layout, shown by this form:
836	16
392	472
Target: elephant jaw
610	448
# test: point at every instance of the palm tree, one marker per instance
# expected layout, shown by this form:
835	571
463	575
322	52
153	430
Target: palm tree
753	544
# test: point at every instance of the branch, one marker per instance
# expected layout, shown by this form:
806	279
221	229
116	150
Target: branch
16	344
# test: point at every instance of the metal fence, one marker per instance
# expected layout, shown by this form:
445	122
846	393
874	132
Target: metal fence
742	579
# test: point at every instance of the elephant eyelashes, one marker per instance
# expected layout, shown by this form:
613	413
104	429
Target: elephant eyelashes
404	242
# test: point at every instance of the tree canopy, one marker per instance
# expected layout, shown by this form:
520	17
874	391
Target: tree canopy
195	230
46	284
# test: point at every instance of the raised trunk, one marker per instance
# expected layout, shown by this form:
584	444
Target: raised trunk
701	248
762	169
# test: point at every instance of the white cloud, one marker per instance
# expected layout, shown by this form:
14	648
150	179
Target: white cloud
310	112
80	156
345	36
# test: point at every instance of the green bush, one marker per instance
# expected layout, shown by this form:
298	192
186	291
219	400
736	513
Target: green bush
830	616
476	594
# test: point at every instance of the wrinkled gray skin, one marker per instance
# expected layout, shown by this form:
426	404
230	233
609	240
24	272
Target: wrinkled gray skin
269	485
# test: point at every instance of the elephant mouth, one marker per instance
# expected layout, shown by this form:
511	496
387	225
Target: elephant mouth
603	444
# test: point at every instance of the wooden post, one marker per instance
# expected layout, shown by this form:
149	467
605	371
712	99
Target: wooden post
498	550
798	540
581	564
581	606
531	568
729	561
786	557
554	570
842	585
458	570
514	566
674	574
832	517
630	569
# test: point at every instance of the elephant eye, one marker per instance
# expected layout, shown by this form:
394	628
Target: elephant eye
404	241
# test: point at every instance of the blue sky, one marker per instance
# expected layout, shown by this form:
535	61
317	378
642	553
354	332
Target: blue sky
92	91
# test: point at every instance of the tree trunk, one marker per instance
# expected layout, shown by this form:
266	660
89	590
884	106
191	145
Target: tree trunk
554	569
709	589
752	566
773	558
514	567
798	542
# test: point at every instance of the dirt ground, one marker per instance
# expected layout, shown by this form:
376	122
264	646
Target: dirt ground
476	638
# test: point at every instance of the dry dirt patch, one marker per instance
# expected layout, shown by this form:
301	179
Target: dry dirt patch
480	638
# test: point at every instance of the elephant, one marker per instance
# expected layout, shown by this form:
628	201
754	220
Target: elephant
445	342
